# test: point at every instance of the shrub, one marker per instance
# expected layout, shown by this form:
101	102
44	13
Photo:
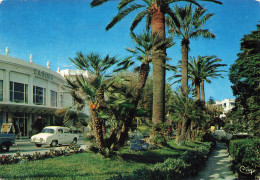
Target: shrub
245	152
172	168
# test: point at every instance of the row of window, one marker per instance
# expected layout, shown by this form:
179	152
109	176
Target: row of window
19	94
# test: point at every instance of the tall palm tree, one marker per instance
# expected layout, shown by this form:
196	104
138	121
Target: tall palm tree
188	24
154	11
210	71
146	45
195	67
92	88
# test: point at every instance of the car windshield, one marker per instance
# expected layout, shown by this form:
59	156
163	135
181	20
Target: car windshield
47	130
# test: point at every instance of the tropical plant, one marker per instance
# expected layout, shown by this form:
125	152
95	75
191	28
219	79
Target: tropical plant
189	113
154	11
201	69
147	44
92	89
210	71
188	24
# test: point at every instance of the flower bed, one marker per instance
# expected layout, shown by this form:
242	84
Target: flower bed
18	158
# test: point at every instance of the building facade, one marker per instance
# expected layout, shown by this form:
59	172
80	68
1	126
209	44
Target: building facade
227	105
29	94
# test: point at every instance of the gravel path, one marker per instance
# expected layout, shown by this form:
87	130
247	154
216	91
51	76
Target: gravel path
218	166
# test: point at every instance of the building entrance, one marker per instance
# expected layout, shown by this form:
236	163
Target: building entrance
20	121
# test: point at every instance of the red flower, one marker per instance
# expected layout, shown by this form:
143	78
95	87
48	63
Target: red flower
3	156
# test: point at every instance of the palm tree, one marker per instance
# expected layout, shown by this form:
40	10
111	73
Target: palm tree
210	71
154	11
92	88
188	24
200	70
146	45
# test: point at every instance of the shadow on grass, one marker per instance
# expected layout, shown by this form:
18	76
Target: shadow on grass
147	158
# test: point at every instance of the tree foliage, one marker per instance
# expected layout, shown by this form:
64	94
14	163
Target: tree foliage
244	75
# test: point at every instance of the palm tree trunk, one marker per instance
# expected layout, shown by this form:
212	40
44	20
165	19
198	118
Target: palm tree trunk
143	74
197	91
202	91
97	126
158	60
184	128
177	140
184	67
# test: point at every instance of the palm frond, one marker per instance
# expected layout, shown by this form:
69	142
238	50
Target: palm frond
123	3
122	14
138	19
95	3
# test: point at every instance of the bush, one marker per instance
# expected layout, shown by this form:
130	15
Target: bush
172	168
245	152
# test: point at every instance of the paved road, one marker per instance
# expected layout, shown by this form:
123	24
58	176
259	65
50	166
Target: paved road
26	147
218	166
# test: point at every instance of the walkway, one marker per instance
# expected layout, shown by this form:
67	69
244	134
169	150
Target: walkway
218	166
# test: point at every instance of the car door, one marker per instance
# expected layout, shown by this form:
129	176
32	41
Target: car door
60	136
67	136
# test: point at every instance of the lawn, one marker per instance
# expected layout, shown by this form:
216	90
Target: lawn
92	166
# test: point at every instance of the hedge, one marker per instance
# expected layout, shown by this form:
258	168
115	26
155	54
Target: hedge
185	166
245	153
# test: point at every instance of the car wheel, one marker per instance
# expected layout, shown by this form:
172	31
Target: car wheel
74	141
5	147
38	145
54	143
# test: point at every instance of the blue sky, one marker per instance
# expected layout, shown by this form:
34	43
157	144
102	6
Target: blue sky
54	30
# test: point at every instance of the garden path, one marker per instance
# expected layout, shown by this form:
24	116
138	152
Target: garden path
218	165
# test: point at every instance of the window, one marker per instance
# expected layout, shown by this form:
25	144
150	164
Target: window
60	131
18	92
66	131
1	119
39	95
225	105
53	99
1	90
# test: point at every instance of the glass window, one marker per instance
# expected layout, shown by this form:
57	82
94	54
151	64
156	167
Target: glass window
39	95
1	119
60	131
1	90
53	99
48	130
18	92
66	131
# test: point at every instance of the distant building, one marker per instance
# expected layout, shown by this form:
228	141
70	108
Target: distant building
30	93
227	105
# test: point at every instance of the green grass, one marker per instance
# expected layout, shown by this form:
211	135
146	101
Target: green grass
91	166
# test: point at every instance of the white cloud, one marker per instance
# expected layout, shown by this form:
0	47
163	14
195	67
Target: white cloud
258	1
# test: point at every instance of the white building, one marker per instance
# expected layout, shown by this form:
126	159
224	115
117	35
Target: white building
227	105
30	93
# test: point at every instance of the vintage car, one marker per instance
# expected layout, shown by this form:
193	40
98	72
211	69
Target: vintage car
54	135
7	136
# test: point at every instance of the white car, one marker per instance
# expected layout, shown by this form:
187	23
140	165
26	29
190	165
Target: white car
54	135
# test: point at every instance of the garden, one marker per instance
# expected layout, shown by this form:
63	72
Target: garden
164	163
123	99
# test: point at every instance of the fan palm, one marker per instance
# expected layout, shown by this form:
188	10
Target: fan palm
188	24
92	88
154	11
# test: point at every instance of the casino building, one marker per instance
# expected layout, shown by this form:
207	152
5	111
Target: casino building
29	94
